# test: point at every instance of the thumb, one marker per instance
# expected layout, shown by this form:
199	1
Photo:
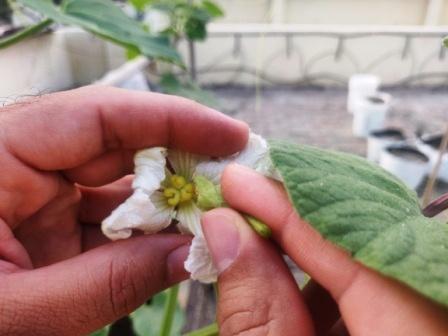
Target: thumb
80	295
257	293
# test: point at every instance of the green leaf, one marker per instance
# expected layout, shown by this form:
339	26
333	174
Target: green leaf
210	330
195	29
140	4
212	9
101	332
25	33
170	84
105	19
368	212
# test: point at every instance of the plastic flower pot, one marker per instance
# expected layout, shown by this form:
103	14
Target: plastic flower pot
430	144
361	86
406	162
370	113
380	139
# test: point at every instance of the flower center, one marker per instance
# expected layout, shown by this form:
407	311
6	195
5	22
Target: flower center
178	191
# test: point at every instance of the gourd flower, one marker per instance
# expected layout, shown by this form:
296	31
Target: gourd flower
176	187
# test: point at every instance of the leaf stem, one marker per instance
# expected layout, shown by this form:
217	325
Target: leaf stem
169	311
433	176
25	33
210	330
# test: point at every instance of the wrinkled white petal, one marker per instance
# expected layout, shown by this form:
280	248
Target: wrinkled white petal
183	163
255	151
189	217
149	169
266	168
199	262
137	212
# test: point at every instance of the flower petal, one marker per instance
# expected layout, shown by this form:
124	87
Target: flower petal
189	217
149	169
255	151
183	163
199	262
137	212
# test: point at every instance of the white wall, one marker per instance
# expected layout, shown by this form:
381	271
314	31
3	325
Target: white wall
376	12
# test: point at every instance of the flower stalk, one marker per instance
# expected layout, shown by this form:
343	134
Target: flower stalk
169	311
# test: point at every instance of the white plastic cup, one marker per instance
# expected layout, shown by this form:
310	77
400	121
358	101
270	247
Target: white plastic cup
406	162
380	139
360	86
429	145
370	113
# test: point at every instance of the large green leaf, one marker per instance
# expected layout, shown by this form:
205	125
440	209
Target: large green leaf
105	19
368	212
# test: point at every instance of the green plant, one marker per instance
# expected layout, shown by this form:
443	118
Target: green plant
187	21
103	18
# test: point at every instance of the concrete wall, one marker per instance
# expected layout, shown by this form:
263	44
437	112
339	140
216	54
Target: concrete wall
376	12
64	59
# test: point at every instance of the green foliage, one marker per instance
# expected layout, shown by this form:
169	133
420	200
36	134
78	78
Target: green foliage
101	332
147	318
105	19
188	19
368	212
140	4
170	84
210	330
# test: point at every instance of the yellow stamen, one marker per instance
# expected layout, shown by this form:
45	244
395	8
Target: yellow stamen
187	193
179	191
178	181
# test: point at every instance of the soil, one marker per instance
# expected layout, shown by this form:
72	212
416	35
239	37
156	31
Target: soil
408	154
388	134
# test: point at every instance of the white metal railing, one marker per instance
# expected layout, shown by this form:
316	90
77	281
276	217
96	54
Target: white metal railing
324	53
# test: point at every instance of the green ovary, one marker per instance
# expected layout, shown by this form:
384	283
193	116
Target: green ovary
178	191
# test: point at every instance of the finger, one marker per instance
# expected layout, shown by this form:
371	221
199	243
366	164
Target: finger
97	203
92	237
72	128
249	192
257	293
366	299
78	296
103	169
323	309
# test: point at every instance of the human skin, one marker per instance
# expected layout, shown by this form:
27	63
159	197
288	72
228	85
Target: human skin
258	295
63	158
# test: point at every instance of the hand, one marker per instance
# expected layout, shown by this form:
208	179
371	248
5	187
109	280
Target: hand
58	274
258	296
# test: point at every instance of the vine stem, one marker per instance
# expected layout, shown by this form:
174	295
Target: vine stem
169	311
210	330
25	33
432	178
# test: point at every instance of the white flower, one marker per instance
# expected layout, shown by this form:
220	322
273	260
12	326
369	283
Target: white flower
164	191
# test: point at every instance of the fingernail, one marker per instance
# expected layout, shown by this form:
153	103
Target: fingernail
223	238
175	264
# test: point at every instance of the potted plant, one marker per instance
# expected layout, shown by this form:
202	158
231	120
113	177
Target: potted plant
430	145
370	113
360	86
406	162
380	139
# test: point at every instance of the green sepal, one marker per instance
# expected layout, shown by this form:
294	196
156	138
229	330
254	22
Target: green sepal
208	194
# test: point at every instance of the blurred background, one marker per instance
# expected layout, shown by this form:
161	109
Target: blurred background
361	76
